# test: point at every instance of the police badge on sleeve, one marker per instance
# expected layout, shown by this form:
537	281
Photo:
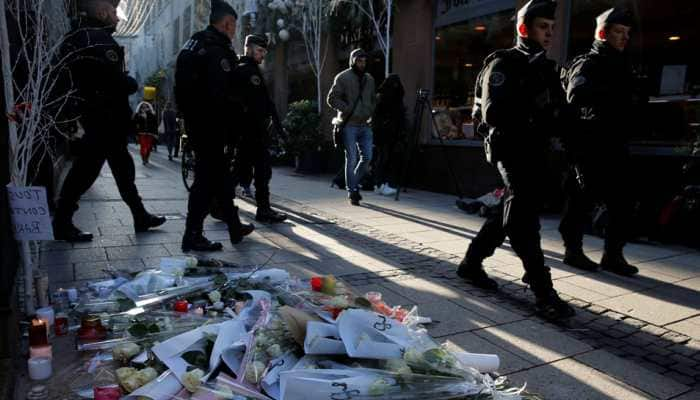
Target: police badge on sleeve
225	65
112	55
255	80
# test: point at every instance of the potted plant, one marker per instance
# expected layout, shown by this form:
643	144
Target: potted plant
304	138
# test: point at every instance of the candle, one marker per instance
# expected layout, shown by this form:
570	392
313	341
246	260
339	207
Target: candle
316	283
72	295
39	368
38	333
46	314
111	392
181	306
40	351
91	328
61	327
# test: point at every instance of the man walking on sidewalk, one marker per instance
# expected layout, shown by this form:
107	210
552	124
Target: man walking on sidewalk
95	63
352	95
600	86
205	94
520	95
254	146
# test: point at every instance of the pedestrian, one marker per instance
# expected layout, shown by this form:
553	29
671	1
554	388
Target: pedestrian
389	128
517	96
254	147
95	64
205	94
171	131
600	85
146	124
352	96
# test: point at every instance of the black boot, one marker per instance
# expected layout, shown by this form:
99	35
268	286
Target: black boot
144	221
576	259
65	230
195	240
474	274
268	215
354	197
237	230
616	263
551	307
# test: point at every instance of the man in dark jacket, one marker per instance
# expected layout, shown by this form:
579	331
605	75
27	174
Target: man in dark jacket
352	96
253	151
94	63
205	94
520	100
601	88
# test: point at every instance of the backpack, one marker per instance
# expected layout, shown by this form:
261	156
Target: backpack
187	75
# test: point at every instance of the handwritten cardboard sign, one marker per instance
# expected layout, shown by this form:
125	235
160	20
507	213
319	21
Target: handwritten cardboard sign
29	211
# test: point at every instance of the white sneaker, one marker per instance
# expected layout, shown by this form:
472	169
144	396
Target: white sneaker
380	189
388	191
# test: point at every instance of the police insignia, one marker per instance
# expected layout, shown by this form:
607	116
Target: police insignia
202	52
112	55
496	79
225	65
255	80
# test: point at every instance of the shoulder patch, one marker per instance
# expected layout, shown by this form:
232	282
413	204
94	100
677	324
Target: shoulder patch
112	55
496	79
202	51
225	65
255	80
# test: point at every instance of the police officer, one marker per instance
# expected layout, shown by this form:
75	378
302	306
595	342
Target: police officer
253	150
520	99
601	88
95	66
205	94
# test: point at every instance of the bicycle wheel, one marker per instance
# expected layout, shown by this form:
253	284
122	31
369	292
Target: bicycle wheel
187	166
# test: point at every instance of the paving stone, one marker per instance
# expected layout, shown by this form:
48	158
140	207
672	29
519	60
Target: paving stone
690	327
571	379
596	309
136	252
660	360
683	359
658	350
647	306
685	369
487	309
472	343
654	330
632	374
449	318
533	341
641	339
694	395
72	256
678	377
675	337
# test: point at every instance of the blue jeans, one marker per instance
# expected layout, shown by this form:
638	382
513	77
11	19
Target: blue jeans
358	154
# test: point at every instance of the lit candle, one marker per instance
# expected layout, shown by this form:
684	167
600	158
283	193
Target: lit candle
40	351
181	306
38	333
46	314
39	368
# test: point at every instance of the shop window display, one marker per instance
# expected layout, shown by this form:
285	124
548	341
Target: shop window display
663	49
459	52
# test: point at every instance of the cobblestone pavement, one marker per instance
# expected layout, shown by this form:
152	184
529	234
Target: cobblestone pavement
632	338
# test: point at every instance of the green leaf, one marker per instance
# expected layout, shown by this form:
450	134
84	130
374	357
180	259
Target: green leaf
220	279
197	359
153	328
125	304
362	302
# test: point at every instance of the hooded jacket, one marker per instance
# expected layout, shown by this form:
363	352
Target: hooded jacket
346	89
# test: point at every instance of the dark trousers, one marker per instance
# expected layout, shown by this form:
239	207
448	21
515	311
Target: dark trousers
387	164
519	221
606	182
253	162
86	169
212	181
172	141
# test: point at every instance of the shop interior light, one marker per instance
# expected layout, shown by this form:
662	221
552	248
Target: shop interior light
468	65
437	37
480	28
674	38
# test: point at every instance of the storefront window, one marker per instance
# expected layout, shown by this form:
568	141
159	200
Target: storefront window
459	52
664	46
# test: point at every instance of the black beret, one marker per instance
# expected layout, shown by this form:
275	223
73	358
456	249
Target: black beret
615	15
538	8
258	40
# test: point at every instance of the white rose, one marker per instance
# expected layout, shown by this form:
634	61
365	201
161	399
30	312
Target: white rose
191	380
214	296
219	305
253	372
124	352
274	351
146	375
379	387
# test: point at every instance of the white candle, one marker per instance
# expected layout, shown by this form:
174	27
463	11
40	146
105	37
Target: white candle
40	351
39	368
72	295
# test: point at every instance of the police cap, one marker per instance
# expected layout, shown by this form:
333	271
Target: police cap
615	15
258	40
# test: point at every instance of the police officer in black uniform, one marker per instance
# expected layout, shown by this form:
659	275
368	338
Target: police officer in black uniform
520	101
94	64
205	94
254	148
600	85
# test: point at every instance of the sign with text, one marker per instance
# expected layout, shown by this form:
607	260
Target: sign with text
29	211
453	11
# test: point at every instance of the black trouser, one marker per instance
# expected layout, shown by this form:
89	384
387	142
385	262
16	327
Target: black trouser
387	164
253	161
519	221
212	181
86	169
606	181
172	141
